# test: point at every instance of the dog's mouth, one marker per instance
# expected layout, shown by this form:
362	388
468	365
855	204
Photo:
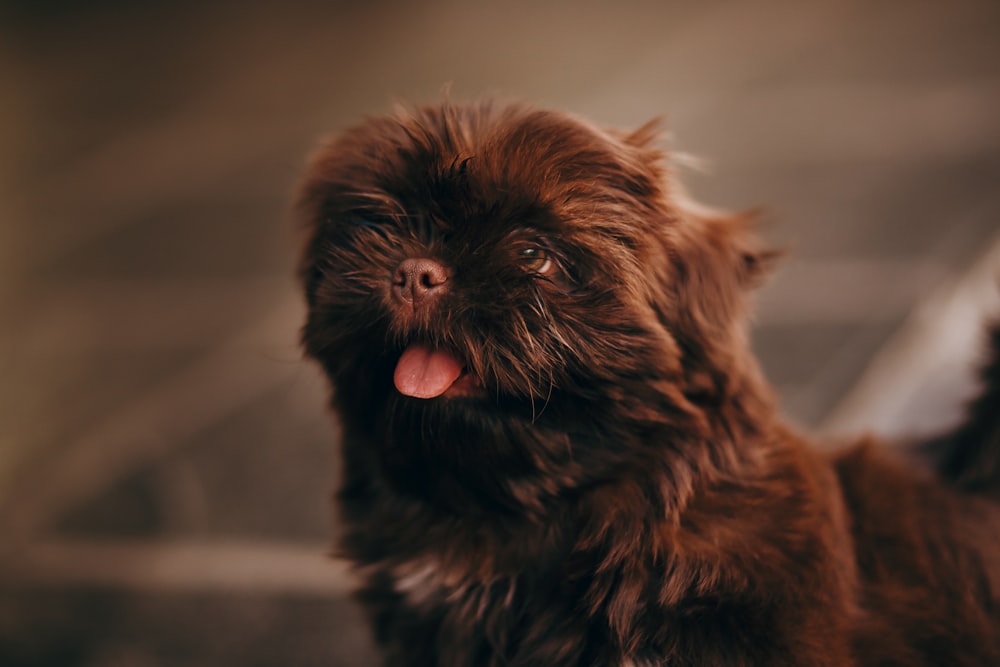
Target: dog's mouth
425	372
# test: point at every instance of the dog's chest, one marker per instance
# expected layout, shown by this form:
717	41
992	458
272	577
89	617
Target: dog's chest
474	608
430	581
427	580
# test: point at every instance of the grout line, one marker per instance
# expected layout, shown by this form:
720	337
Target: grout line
936	344
230	566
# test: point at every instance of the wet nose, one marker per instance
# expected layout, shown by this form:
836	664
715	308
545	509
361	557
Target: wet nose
417	280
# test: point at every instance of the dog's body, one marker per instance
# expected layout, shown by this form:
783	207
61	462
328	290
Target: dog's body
557	447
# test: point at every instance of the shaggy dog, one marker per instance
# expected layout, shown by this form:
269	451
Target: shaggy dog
557	447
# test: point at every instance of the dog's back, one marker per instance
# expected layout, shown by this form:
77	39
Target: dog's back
928	553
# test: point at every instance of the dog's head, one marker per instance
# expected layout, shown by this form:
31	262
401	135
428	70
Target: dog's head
485	263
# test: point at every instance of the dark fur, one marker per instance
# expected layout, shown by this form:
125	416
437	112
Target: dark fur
971	455
623	493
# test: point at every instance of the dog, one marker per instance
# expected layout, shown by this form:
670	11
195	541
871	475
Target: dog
557	448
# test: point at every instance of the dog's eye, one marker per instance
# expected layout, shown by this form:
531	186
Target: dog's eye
536	260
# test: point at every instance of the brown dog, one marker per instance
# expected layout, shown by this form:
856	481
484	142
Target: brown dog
557	448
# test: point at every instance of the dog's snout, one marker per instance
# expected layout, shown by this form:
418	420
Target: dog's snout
417	280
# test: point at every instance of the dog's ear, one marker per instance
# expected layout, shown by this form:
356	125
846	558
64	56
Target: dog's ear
646	136
716	258
341	177
754	261
320	180
710	259
734	237
757	260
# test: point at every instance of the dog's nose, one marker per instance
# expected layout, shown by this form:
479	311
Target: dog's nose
417	280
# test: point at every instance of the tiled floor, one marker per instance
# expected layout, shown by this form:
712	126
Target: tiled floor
165	462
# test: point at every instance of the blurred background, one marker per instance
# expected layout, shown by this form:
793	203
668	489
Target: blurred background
165	457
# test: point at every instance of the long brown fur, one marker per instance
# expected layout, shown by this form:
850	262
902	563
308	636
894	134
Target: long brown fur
620	491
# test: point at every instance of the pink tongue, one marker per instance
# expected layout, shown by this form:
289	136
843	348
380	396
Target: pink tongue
425	373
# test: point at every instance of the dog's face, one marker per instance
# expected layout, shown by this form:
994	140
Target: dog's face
505	270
